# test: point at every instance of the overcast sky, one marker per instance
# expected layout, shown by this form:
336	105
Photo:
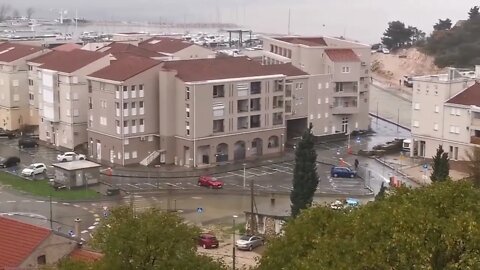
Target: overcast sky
364	20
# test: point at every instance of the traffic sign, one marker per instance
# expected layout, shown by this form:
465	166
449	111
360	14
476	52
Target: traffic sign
199	210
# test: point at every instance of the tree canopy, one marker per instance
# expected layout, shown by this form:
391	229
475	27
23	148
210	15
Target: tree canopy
443	25
397	35
434	227
147	240
305	176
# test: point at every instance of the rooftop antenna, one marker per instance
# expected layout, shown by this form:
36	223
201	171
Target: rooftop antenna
289	17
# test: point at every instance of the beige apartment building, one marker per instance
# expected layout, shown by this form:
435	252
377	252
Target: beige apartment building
445	111
14	85
337	99
123	111
176	49
61	95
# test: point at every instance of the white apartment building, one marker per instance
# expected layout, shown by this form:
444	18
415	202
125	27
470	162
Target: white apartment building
62	94
446	112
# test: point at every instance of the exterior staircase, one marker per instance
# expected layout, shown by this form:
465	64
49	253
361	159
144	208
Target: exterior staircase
150	158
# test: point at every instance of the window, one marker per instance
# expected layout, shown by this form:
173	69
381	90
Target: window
187	93
326	115
325	129
311	116
16	97
458	112
140	91
319	101
457	130
218	126
319	116
218	110
103	121
416	124
150	138
452	111
417	106
319	86
435	126
437	109
30	67
133	88
134	154
345	69
127	155
30	82
42	260
255	88
125	106
326	100
126	141
218	91
255	121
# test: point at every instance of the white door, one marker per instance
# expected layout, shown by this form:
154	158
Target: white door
187	156
162	157
99	150
112	156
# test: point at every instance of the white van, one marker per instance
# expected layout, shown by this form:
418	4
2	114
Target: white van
407	145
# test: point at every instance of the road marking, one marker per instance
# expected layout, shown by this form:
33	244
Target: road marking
177	186
40	201
96	215
76	205
91	227
11	201
94	204
235	185
66	203
133	186
281	171
249	172
91	212
84	231
197	198
283	167
236	174
224	176
85	208
286	187
260	171
97	219
289	163
194	185
96	223
54	202
265	187
150	184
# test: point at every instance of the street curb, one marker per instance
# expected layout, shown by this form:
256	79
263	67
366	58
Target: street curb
389	121
400	172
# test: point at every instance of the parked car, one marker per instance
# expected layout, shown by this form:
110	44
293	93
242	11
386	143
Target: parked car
249	242
207	240
209	181
7	134
70	156
33	169
27	142
385	51
9	162
342	172
407	81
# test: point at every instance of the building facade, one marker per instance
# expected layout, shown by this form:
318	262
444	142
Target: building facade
338	93
441	115
123	112
62	94
14	85
176	49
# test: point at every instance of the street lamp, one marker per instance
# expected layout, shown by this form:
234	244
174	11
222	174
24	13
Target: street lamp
244	175
233	248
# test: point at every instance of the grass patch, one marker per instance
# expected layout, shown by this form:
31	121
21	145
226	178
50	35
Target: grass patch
43	189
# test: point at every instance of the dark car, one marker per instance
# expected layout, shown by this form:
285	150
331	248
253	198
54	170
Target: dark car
407	81
9	162
7	134
27	142
344	172
207	240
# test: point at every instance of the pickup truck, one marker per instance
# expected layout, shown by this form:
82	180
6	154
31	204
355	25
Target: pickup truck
70	156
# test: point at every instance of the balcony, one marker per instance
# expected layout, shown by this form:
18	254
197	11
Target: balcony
242	106
288	90
288	106
337	109
278	102
255	105
278	86
346	89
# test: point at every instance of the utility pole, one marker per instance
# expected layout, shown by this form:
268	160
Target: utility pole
377	113
398	119
289	17
244	175
51	212
252	218
233	243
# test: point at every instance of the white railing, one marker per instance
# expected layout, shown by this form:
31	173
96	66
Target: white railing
134	93
134	111
142	128
134	129
125	94
141	93
125	112
141	111
125	130
150	158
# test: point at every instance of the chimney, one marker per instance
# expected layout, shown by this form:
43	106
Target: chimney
77	227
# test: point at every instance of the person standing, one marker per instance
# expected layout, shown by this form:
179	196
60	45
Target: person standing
356	164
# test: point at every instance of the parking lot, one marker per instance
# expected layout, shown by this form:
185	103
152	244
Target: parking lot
275	177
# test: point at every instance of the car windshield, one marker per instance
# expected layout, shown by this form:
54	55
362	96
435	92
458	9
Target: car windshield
245	237
31	167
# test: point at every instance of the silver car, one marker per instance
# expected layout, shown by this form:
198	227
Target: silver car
249	242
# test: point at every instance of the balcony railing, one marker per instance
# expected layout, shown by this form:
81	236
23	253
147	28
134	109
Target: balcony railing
345	110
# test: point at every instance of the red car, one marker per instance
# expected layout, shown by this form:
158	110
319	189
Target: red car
207	240
209	181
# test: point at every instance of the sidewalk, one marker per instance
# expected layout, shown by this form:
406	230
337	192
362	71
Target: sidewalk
172	171
400	91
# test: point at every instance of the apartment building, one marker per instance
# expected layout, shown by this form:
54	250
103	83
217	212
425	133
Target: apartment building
176	49
123	111
338	99
61	94
14	85
216	110
445	112
117	48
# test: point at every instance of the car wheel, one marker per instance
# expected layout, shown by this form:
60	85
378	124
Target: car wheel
64	160
81	158
204	246
335	175
32	174
352	175
250	248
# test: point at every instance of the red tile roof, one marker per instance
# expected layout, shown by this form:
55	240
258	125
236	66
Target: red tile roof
18	240
307	41
468	97
225	68
10	52
342	55
125	67
67	47
81	254
67	61
164	44
117	47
